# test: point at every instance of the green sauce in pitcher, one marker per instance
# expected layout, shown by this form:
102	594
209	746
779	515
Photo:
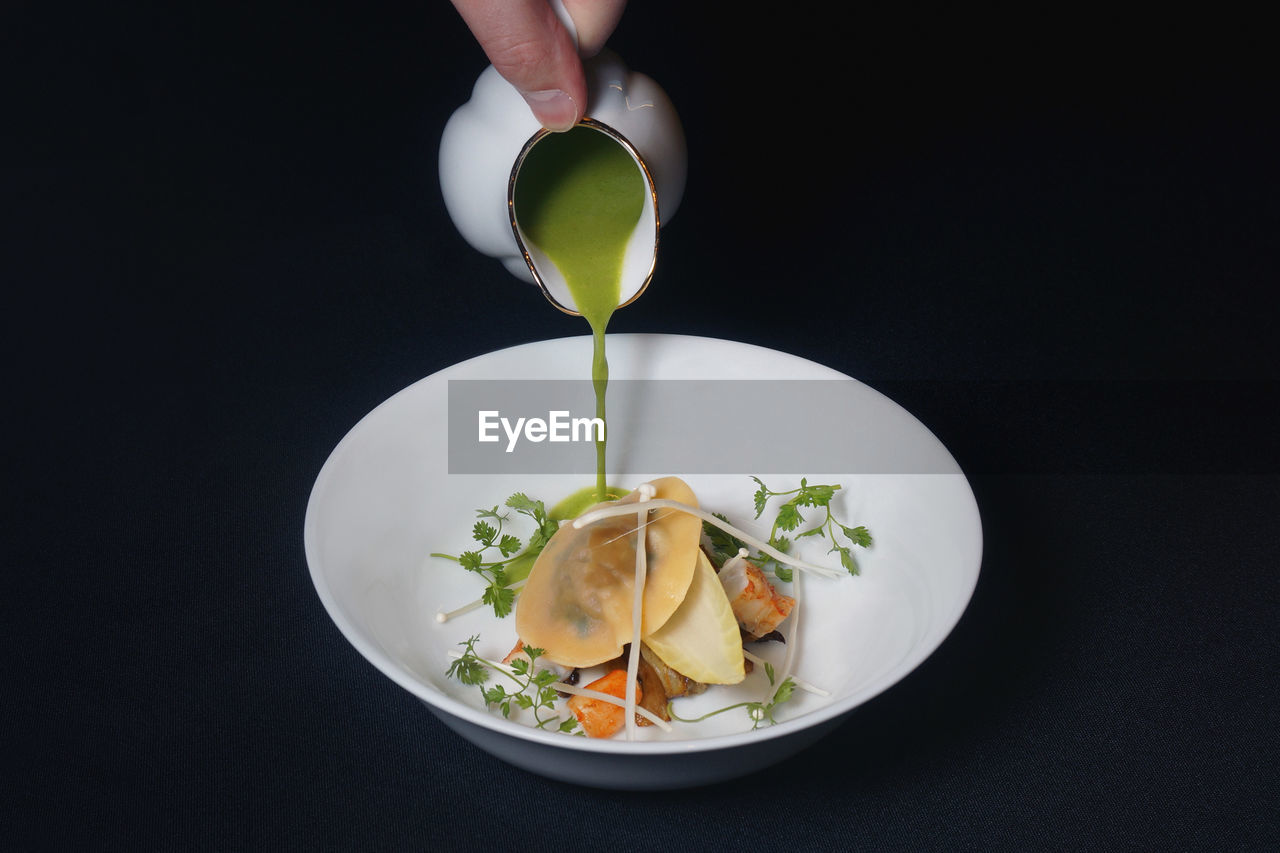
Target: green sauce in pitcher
579	198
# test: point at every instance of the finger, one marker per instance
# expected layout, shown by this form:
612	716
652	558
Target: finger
595	21
531	49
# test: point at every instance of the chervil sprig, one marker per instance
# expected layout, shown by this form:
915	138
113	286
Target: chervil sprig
724	545
534	690
467	667
506	570
789	519
546	527
762	712
759	712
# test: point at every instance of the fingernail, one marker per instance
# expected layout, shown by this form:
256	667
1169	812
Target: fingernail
553	108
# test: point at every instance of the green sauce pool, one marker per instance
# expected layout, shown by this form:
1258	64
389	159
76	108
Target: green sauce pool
578	198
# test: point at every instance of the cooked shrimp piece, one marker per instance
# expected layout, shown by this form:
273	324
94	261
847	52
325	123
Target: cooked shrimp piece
517	651
598	717
756	605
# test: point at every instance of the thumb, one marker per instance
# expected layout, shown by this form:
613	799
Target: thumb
531	49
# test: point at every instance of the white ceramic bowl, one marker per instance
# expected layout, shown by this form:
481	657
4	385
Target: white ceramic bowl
385	499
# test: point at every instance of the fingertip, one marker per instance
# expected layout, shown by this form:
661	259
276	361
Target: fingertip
555	109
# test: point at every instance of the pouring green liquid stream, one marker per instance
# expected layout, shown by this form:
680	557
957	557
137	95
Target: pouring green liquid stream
578	198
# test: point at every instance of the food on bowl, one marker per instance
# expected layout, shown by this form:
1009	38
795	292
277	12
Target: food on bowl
648	623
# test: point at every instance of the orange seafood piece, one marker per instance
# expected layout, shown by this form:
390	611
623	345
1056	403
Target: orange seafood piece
518	653
757	606
600	718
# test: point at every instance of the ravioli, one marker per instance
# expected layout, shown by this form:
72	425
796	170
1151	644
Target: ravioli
577	604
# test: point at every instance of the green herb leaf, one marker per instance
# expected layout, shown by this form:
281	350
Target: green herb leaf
489	534
468	672
847	560
816	496
724	546
483	532
859	535
761	496
534	687
521	502
789	517
500	598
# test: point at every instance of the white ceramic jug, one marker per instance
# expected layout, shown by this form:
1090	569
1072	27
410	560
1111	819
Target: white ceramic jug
486	138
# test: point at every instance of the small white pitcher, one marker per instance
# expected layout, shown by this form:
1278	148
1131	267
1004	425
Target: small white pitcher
486	139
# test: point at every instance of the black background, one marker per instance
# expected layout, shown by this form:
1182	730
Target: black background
1051	235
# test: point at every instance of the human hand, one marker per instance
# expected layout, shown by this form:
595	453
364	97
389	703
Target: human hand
534	52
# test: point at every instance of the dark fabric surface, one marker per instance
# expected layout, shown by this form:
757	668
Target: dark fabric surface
1051	237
